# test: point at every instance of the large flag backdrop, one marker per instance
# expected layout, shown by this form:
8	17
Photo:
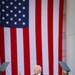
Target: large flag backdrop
30	34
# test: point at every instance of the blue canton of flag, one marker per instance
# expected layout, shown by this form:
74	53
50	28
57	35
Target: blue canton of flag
14	13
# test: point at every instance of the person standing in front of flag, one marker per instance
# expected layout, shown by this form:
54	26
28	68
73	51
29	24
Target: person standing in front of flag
37	70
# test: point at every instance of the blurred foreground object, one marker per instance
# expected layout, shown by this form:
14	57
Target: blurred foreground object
3	67
65	68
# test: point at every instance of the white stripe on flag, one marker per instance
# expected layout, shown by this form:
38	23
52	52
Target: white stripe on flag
20	52
45	37
7	49
55	34
32	34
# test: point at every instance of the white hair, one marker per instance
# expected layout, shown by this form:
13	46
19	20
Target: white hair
39	67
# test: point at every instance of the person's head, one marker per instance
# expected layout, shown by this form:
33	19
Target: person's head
37	69
19	73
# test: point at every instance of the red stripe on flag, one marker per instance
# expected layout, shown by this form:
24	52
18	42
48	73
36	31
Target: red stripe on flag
60	34
50	36
38	33
26	51
14	51
2	46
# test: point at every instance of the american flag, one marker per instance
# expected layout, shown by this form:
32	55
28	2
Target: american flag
30	34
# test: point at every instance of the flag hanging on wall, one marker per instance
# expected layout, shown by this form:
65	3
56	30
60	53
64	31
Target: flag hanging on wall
30	34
